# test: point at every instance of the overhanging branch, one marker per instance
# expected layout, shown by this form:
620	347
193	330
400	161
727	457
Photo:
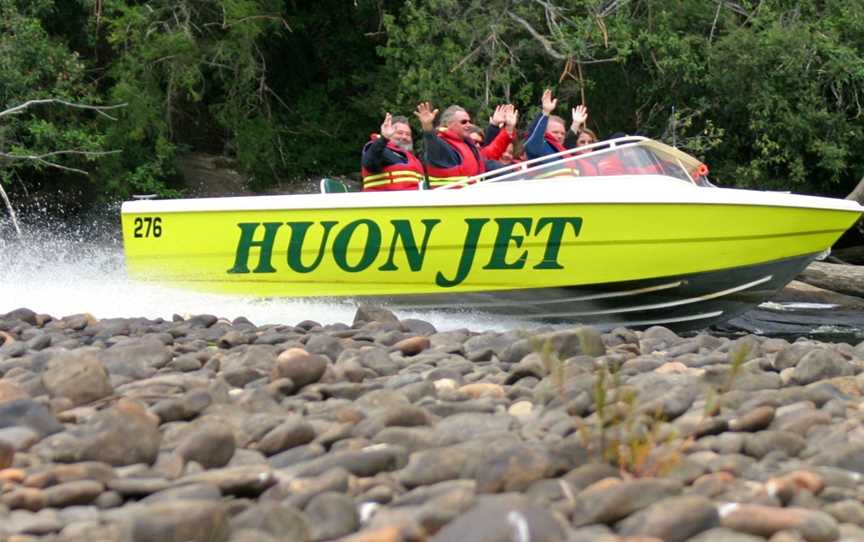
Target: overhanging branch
100	109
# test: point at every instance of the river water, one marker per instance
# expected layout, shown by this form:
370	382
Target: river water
77	267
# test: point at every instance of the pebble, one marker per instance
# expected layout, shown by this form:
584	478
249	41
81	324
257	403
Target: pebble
202	428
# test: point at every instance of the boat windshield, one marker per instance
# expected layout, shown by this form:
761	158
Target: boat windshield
622	156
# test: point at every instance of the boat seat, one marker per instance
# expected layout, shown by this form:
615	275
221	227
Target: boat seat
333	186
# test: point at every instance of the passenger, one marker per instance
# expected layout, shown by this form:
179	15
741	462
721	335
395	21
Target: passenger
500	133
450	155
388	161
546	134
580	139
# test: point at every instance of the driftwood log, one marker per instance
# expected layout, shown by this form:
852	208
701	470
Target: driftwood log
845	279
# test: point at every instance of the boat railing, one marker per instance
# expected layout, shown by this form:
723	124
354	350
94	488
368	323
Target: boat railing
629	155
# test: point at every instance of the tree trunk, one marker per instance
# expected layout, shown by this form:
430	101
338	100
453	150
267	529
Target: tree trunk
845	279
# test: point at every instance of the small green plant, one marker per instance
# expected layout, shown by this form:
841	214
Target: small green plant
622	431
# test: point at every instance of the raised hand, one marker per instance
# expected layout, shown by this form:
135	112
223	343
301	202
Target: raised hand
426	115
499	117
580	116
512	119
549	102
387	128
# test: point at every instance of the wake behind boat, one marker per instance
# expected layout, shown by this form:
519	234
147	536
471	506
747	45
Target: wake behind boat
623	232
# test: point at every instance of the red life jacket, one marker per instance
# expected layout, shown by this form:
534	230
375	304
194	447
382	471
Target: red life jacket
564	166
471	162
406	176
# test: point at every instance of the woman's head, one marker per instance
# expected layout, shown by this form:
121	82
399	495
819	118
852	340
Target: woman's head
585	137
476	135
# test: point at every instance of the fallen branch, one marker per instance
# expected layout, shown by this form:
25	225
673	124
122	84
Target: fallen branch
845	279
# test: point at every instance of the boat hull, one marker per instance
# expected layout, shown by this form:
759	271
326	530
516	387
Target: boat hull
532	248
692	301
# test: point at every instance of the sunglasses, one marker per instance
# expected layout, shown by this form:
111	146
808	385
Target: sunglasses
465	121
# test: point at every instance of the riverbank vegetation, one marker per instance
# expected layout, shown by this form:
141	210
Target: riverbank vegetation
769	93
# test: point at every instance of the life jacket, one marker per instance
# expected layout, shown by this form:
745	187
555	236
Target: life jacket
471	163
405	176
563	166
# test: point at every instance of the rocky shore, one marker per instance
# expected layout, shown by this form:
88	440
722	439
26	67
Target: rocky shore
202	429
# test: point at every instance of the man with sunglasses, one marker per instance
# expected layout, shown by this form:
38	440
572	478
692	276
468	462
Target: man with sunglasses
450	154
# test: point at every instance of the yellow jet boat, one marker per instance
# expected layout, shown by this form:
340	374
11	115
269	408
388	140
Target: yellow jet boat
623	232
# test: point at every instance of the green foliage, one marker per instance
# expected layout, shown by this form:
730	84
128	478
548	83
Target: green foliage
768	93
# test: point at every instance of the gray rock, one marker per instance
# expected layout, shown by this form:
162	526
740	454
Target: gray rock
72	493
195	492
185	407
763	442
284	522
121	435
722	534
298	365
368	462
609	504
294	432
675	519
848	456
210	445
137	359
332	515
29	413
820	364
181	521
469	426
296	455
515	520
325	345
248	364
77	376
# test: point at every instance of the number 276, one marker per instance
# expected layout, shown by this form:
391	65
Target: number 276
148	226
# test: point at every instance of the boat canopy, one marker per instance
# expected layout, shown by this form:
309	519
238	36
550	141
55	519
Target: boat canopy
631	155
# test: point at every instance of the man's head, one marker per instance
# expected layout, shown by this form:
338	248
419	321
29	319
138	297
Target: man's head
556	128
457	120
402	134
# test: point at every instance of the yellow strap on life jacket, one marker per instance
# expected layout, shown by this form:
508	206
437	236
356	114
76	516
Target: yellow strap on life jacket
391	177
436	182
